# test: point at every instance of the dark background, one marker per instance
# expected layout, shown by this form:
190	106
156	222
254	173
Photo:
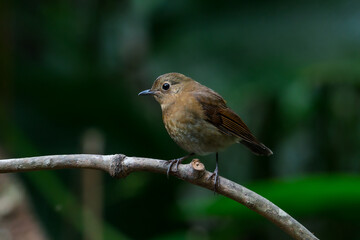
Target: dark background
69	78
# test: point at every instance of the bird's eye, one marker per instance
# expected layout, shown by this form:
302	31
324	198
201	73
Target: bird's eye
165	86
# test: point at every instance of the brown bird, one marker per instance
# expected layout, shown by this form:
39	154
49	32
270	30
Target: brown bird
198	120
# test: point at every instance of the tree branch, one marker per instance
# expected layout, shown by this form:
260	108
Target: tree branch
120	166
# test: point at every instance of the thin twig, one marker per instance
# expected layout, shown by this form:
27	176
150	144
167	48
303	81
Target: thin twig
120	166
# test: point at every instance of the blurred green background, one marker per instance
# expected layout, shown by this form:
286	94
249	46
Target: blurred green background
69	79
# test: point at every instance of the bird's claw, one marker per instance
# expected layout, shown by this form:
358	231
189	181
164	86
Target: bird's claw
171	163
216	179
177	161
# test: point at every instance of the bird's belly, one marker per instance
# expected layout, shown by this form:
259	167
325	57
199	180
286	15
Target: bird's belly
197	136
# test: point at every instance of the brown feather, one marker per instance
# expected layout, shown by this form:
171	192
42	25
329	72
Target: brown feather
228	122
218	114
235	125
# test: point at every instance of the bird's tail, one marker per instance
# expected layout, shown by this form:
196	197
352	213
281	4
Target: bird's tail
257	148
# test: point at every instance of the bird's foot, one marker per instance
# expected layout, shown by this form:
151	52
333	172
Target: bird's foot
177	161
171	163
215	175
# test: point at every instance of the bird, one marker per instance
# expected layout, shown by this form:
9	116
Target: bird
198	119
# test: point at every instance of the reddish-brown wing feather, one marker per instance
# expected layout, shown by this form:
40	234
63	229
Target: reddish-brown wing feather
233	123
228	122
218	114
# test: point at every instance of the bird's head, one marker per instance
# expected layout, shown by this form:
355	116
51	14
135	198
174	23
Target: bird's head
167	87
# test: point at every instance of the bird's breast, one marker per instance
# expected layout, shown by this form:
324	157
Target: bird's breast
187	126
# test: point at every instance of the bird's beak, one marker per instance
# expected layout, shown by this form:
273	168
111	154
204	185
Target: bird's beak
146	92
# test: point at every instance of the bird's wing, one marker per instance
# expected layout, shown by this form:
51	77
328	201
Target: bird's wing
222	117
217	113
